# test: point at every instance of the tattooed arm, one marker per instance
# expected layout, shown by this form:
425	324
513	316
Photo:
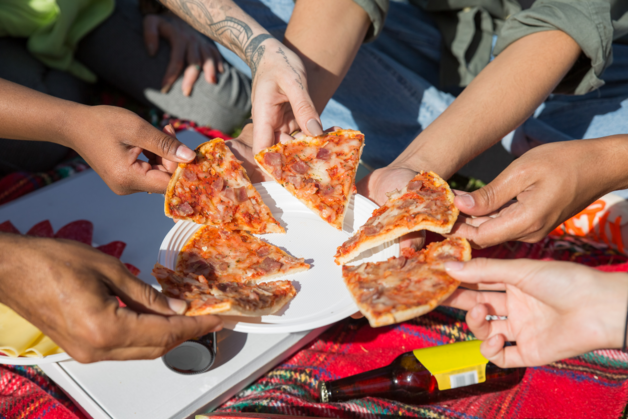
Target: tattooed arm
281	102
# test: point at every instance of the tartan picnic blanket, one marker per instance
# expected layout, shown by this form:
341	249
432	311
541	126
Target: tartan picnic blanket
592	385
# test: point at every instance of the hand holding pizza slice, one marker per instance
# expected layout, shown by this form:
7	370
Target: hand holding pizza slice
226	298
214	189
319	171
425	203
407	286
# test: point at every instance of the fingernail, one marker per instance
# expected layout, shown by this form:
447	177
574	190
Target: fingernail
314	127
475	312
178	306
185	153
454	266
466	200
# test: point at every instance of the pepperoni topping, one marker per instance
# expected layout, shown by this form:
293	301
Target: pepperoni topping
407	203
323	154
326	189
221	266
297	181
241	195
415	185
198	265
373	229
189	175
300	167
218	184
229	194
272	159
185	209
263	251
269	265
397	263
277	172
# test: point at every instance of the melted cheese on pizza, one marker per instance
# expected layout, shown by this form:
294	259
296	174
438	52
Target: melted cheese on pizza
415	279
211	297
319	171
215	190
423	200
225	255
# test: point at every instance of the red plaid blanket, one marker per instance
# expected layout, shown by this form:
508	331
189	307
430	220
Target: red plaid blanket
592	385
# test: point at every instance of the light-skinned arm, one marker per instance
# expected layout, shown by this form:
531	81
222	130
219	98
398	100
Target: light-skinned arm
498	100
280	99
554	310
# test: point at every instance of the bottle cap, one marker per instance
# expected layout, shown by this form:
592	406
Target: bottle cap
193	356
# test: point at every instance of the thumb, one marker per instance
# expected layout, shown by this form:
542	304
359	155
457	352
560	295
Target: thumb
143	298
303	109
166	145
151	34
491	197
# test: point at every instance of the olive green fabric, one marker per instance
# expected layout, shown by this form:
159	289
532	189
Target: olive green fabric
468	27
54	28
376	9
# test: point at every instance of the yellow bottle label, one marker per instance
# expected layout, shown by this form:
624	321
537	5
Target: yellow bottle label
455	365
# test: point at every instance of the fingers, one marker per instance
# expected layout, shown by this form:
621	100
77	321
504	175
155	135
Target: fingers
212	62
481	270
504	357
494	195
415	240
304	112
165	144
193	70
464	299
177	55
357	315
151	33
143	298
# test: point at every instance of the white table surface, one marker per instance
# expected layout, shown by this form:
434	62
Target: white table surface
143	389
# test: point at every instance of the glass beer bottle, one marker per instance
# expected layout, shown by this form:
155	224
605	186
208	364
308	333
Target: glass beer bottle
426	376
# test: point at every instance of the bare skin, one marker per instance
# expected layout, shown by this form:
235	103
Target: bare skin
280	102
555	310
550	183
68	291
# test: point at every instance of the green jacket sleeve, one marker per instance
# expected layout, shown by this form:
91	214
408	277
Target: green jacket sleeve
593	24
377	10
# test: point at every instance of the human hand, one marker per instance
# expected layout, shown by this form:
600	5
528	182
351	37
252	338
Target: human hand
379	183
242	150
555	310
68	291
111	139
187	46
550	183
281	103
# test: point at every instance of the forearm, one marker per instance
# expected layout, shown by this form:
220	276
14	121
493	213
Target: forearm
326	35
26	114
224	22
500	98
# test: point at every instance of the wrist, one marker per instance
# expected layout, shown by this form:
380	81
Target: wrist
68	124
613	154
611	309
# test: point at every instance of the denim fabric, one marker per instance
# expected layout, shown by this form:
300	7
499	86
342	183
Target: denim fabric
391	93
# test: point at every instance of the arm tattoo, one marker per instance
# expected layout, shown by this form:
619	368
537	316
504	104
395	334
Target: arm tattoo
229	31
298	79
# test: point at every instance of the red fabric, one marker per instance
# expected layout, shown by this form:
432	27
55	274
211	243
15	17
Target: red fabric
594	385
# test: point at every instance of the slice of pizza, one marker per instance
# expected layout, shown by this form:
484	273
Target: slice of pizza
407	286
226	255
226	298
425	203
214	189
319	171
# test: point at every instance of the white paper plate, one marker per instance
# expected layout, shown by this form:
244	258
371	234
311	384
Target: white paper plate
322	297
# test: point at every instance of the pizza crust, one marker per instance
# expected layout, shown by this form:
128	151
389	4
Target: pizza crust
361	280
399	231
339	221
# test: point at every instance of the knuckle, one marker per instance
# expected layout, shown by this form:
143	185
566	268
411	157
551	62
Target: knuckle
167	145
82	355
